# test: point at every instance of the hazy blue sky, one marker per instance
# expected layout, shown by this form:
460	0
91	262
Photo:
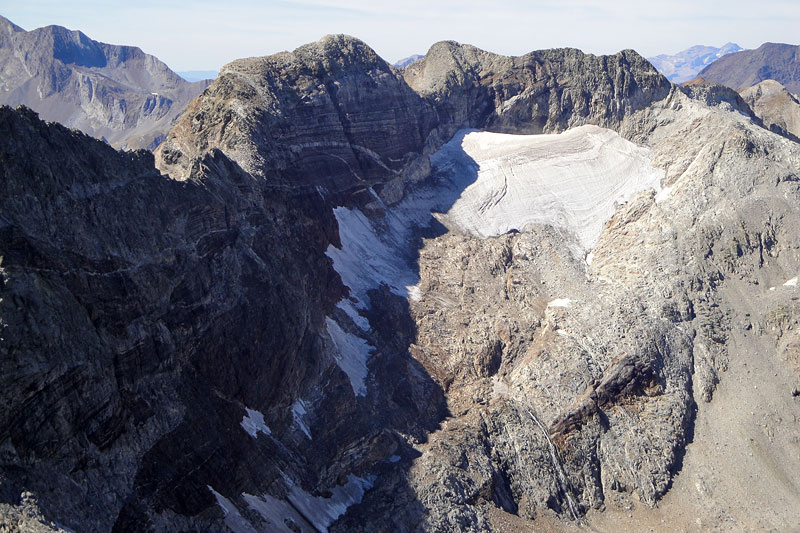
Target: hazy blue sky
205	35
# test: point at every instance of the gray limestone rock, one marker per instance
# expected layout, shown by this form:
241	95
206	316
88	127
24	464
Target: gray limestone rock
287	332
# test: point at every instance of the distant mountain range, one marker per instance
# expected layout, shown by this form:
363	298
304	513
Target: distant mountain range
198	75
685	65
770	61
407	61
117	93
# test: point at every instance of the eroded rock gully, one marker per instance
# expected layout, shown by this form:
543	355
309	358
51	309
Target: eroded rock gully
300	329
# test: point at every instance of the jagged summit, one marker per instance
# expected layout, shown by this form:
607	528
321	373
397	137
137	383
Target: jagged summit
359	100
326	56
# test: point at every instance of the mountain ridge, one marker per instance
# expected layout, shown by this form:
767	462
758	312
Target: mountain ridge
415	373
777	61
116	92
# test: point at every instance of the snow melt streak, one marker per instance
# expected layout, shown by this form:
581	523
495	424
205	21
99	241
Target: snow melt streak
351	355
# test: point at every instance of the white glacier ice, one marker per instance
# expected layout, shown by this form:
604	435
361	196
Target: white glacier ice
572	180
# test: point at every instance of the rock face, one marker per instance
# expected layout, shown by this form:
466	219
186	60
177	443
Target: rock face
687	64
770	61
777	107
307	325
115	92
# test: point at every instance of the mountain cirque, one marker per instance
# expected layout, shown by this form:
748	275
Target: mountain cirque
115	92
310	325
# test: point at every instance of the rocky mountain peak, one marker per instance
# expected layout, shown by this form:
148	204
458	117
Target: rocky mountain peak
256	111
367	299
115	92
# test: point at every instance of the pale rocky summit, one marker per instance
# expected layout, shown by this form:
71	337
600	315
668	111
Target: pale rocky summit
776	106
118	93
336	314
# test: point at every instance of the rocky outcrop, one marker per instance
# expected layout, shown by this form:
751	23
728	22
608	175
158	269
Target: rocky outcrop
125	370
113	92
777	107
544	91
288	332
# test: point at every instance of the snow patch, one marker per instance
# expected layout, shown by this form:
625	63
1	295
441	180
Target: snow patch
351	355
277	513
663	194
560	302
322	512
298	414
307	511
369	258
791	283
233	518
350	309
253	422
573	180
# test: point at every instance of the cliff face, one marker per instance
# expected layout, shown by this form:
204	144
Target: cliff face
544	91
115	92
311	323
125	366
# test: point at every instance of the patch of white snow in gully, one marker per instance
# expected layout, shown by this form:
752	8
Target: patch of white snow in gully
351	355
253	422
298	414
305	508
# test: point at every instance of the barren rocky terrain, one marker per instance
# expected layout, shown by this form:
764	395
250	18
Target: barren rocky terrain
777	107
481	293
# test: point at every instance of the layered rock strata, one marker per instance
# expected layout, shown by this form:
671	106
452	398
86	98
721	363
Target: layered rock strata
305	326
